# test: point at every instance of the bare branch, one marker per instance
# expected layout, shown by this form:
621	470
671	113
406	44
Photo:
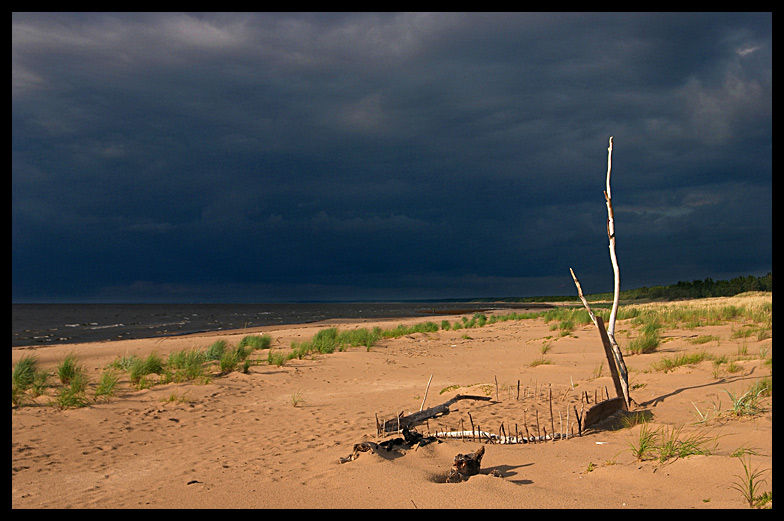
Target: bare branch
616	351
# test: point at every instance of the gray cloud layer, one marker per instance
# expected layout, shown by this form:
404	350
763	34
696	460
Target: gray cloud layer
286	156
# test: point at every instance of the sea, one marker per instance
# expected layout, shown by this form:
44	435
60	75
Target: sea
43	324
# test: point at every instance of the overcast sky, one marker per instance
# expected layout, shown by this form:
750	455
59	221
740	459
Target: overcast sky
264	157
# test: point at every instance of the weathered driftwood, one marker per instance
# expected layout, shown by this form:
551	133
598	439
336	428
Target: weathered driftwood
412	419
608	336
410	439
499	439
616	282
465	465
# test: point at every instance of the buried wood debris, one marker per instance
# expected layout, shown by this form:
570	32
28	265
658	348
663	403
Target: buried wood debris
466	465
409	440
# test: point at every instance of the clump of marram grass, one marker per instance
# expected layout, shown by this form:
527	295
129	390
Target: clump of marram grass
107	385
216	349
68	369
277	358
647	342
27	376
423	327
703	339
749	403
668	443
681	359
123	363
72	396
24	372
232	357
673	445
749	486
256	341
297	399
74	379
646	442
141	369
187	364
330	340
539	361
567	318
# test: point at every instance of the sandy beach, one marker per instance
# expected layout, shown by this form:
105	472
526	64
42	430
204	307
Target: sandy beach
274	437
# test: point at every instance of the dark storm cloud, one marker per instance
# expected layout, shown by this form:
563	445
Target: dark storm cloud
367	155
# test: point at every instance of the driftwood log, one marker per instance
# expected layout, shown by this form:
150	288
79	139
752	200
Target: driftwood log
466	465
410	439
500	439
402	422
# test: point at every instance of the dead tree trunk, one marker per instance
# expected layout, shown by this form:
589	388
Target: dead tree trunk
616	280
617	356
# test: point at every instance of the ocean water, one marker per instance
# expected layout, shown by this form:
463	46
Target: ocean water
42	324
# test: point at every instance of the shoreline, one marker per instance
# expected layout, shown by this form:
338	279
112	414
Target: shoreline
73	324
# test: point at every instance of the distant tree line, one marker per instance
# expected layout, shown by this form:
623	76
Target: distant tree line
680	290
701	288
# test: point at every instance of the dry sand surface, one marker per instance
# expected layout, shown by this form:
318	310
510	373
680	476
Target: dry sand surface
274	437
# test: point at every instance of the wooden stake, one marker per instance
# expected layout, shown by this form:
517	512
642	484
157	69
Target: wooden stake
426	390
560	424
552	420
537	423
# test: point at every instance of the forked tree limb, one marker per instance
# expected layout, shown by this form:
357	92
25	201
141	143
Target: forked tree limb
616	351
616	280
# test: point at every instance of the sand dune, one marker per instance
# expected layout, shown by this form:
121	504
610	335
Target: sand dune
273	438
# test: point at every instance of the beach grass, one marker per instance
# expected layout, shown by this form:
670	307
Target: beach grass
646	442
670	363
189	362
107	385
749	485
668	442
256	341
68	369
27	376
216	349
24	371
749	403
